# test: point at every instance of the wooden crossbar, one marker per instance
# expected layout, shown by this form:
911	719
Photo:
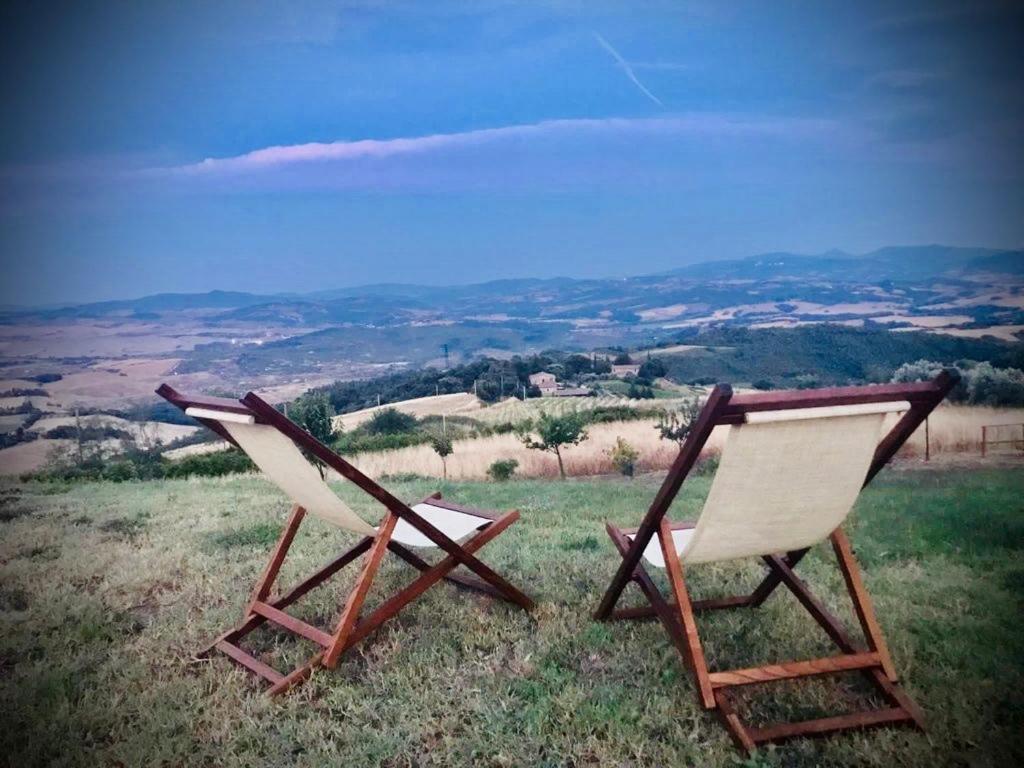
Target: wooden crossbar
293	624
826	725
239	656
791	669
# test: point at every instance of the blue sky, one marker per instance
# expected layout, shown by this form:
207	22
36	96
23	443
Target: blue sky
296	146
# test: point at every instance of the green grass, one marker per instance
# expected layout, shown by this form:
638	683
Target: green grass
106	591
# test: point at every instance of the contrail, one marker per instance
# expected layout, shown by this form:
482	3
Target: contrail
627	69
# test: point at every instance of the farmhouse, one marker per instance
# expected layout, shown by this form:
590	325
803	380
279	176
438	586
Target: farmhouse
626	369
545	382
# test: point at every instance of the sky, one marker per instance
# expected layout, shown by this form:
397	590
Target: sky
300	146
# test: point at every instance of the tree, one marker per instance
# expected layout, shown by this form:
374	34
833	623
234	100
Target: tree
676	425
556	432
623	358
442	445
654	368
313	412
577	364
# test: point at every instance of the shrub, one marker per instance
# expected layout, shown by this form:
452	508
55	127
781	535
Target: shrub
653	369
502	469
390	421
624	457
980	383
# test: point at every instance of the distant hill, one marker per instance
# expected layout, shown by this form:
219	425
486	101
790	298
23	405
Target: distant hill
957	291
160	302
901	263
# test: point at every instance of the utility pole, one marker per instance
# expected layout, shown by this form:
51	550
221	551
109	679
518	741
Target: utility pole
78	432
378	399
474	388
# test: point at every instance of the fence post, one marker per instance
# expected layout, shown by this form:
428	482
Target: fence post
983	430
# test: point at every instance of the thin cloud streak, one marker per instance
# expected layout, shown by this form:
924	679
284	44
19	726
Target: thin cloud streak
700	124
627	69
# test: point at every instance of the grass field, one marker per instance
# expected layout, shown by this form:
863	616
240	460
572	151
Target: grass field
107	590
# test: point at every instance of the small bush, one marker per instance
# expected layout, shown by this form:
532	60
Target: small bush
624	457
502	469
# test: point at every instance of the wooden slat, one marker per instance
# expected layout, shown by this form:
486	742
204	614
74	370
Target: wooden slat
293	624
251	663
862	604
791	669
284	542
354	604
826	725
661	608
732	721
828	396
437	501
685	612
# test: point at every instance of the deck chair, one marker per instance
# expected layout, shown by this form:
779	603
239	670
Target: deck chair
276	445
792	467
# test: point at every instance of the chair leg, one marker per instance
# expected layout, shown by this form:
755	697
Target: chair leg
350	614
284	543
659	607
862	605
695	652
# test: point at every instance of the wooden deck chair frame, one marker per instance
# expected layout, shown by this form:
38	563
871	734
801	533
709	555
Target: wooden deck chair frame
678	616
351	626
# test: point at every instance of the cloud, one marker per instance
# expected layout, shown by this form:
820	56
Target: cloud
627	69
694	125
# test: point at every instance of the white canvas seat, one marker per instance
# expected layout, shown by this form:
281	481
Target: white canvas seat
786	480
451	522
281	461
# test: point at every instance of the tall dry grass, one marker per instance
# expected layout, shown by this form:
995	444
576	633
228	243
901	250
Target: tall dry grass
953	429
